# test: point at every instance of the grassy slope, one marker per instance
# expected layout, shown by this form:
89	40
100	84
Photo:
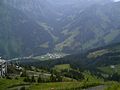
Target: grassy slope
5	83
112	54
62	67
89	81
113	86
110	70
55	86
63	86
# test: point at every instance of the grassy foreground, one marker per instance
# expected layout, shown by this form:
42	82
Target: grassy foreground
6	84
62	86
113	86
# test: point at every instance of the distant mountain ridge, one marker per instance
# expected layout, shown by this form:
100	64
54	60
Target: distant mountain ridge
97	25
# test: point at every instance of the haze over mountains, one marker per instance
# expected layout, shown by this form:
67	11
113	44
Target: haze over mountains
35	27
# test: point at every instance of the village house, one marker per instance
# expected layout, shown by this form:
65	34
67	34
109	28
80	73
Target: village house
3	67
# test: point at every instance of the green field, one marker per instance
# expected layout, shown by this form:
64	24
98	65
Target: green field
110	69
97	53
62	67
5	83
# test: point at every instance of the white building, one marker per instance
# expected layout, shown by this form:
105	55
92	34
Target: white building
3	67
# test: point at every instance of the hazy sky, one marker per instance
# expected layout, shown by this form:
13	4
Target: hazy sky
116	0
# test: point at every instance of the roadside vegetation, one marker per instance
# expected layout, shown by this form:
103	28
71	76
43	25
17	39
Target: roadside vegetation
113	86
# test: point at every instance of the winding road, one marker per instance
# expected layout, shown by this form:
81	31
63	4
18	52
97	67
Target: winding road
101	87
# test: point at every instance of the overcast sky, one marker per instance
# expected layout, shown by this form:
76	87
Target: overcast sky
116	0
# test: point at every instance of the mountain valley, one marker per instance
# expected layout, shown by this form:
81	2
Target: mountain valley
57	27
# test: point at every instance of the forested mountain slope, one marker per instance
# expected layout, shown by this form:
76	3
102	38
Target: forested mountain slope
36	27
